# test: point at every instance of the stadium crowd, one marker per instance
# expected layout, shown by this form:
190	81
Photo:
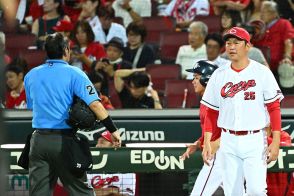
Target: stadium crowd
134	51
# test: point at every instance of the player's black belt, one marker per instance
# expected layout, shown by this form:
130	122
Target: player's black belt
54	131
241	132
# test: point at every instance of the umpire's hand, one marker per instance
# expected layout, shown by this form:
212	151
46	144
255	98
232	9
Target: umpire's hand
116	139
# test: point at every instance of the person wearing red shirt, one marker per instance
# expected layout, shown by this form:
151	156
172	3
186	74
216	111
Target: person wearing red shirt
278	36
15	96
86	51
277	182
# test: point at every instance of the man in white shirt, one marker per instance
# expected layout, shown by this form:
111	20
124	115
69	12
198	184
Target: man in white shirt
132	10
214	43
188	55
107	29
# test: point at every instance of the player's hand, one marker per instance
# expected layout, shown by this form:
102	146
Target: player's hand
214	146
116	139
273	151
206	153
191	148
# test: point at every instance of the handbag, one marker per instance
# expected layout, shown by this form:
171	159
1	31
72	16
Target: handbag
23	160
77	155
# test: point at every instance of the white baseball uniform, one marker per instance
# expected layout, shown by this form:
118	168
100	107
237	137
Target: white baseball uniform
240	98
125	183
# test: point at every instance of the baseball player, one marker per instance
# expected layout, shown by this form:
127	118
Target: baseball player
277	182
123	183
235	96
209	178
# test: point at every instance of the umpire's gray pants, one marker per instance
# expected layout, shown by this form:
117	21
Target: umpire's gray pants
46	165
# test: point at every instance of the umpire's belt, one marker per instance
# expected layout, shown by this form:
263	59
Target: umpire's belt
240	132
54	131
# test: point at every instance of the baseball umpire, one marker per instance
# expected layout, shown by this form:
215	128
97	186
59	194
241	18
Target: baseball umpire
50	89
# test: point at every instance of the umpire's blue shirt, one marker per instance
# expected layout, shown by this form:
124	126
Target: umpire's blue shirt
50	89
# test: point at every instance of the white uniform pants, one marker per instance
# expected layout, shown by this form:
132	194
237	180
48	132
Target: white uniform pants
244	156
209	178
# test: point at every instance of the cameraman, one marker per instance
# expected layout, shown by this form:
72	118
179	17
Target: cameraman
50	90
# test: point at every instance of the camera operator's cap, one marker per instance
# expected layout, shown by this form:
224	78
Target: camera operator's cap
237	32
116	42
63	25
107	135
286	75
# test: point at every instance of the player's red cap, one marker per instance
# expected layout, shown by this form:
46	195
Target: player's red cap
63	25
239	33
107	135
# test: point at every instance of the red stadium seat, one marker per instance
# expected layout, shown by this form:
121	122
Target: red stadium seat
170	44
113	96
18	42
213	22
155	25
175	94
33	57
288	101
160	73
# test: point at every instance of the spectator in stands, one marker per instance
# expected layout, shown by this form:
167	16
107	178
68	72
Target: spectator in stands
15	96
97	79
113	61
229	19
185	11
188	55
108	29
86	52
220	5
132	10
253	53
89	14
278	36
53	12
214	43
137	51
134	92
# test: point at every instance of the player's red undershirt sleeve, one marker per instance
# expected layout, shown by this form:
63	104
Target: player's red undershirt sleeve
275	115
210	121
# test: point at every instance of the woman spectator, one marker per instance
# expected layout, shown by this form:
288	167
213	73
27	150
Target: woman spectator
137	52
53	12
15	96
85	52
229	19
89	14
